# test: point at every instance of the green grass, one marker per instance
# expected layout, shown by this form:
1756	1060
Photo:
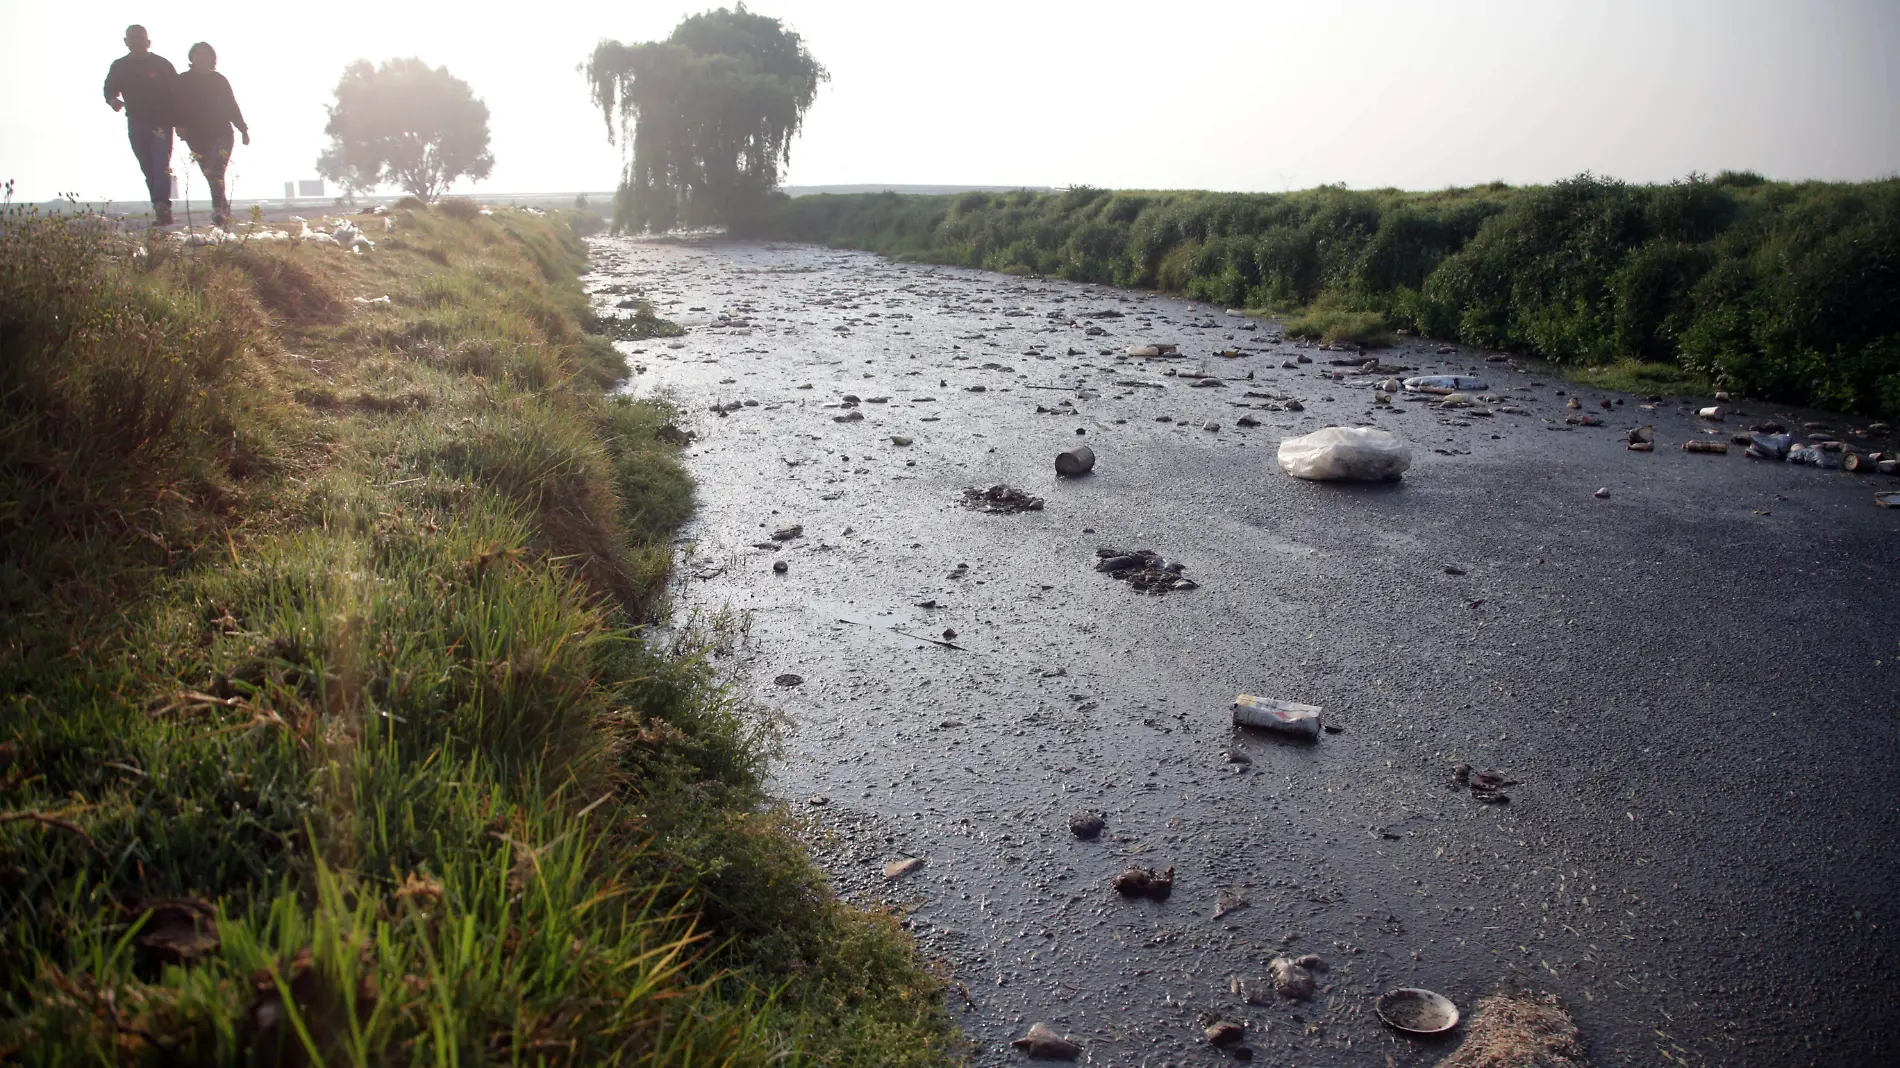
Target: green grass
1646	379
326	619
1785	291
1325	320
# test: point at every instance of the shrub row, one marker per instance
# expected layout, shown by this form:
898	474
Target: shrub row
1786	291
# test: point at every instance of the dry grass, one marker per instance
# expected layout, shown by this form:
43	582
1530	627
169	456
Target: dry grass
1513	1030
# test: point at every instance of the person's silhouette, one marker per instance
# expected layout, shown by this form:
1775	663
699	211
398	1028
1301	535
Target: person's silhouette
141	83
206	110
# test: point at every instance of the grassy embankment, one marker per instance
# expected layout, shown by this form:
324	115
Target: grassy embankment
327	736
1789	292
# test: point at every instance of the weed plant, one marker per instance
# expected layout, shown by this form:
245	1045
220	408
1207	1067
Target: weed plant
1786	291
329	733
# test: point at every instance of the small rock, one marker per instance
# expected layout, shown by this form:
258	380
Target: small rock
1087	825
1295	406
848	417
1210	425
1224	1033
899	439
1602	491
818	800
788	679
1145	882
1290	980
949	635
780	566
796	530
897	869
1046	1044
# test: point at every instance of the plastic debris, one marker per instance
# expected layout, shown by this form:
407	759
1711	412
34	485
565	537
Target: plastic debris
1445	384
1363	454
1417	1011
1286	717
1077	461
1769	446
1705	446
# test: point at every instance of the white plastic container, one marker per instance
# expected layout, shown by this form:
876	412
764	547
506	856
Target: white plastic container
1285	717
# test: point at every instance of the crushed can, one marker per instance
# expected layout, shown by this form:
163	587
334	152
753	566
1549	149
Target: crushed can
1286	717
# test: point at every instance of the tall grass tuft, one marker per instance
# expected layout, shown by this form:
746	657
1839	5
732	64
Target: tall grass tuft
330	732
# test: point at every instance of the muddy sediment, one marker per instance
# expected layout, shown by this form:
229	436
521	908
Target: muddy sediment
1686	684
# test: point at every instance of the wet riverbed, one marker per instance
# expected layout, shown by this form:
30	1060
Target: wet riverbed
1691	678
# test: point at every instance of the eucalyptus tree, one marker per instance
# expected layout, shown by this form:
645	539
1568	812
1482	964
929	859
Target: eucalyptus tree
707	117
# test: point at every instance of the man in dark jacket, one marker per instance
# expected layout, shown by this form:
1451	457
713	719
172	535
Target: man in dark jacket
204	110
144	81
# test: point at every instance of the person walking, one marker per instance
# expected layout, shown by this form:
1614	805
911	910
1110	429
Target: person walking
205	111
140	84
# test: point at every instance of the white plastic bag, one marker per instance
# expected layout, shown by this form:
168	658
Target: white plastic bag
1346	452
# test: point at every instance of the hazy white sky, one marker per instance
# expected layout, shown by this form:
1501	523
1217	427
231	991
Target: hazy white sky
1260	95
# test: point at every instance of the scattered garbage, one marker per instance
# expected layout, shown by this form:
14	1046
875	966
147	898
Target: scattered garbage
1713	413
1701	445
1520	1028
1000	500
1602	491
1363	454
1251	991
1486	786
1769	446
1445	384
1145	882
1087	825
788	679
796	530
1077	461
1144	569
1228	901
384	299
1045	1044
1887	500
1286	717
1161	349
897	869
899	439
1291	980
1417	1011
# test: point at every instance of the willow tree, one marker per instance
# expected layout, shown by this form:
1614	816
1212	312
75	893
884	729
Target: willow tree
707	117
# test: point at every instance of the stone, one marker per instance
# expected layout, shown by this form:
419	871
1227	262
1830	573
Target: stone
1045	1044
1087	825
1290	980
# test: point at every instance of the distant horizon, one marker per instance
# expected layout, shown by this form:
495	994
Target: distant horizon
1266	96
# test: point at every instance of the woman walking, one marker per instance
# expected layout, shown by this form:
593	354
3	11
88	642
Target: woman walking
205	110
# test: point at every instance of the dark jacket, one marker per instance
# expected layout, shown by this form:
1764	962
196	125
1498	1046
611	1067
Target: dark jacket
206	109
145	80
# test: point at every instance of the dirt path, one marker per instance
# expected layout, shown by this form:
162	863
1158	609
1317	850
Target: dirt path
1692	679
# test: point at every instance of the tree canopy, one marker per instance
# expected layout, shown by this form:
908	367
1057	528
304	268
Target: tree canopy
707	116
406	124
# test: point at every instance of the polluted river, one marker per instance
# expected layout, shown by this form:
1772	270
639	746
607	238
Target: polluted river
1676	669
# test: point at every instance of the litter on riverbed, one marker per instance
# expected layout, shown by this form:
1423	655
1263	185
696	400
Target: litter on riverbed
1045	1044
1145	882
1887	500
1346	453
1077	461
1445	384
1769	446
1286	717
1000	500
1291	979
1417	1011
1701	445
1144	569
1152	350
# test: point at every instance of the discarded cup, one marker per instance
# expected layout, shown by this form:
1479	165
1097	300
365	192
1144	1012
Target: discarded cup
1286	717
1077	461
